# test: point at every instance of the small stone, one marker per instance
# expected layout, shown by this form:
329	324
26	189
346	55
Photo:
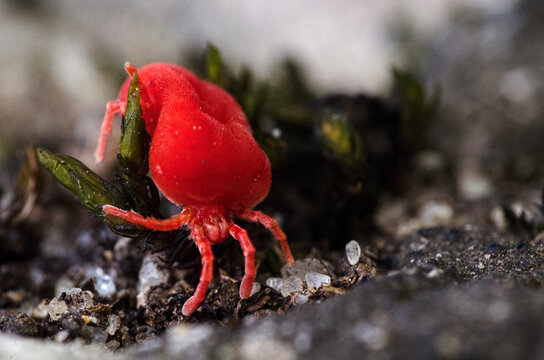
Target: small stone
316	280
73	291
498	218
112	345
89	319
114	322
141	300
63	284
300	299
434	273
125	335
104	283
56	309
353	252
15	296
303	266
275	283
474	185
87	299
150	274
435	213
122	247
291	285
61	336
255	288
109	255
390	214
40	311
99	336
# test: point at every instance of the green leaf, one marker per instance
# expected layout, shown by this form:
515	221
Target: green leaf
416	106
255	100
91	189
214	65
135	140
139	190
341	139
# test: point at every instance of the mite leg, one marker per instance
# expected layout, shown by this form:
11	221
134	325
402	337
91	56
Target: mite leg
173	223
112	108
249	253
205	276
273	227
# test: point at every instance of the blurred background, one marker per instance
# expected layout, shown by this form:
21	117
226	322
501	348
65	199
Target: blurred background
62	60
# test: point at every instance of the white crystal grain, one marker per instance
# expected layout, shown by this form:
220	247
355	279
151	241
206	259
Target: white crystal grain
150	274
56	308
353	252
104	283
291	285
274	283
114	322
316	280
255	289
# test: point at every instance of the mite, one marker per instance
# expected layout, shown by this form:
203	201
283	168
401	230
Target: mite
203	157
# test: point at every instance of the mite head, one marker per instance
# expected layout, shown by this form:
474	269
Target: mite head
215	226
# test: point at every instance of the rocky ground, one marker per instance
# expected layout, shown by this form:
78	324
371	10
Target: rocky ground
447	262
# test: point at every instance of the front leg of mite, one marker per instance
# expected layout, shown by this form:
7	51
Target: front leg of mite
173	223
205	276
249	253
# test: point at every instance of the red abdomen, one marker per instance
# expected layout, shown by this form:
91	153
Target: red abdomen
202	150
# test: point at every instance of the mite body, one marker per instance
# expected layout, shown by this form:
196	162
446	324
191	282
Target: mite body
202	156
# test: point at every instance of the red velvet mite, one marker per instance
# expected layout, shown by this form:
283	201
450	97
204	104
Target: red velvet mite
203	157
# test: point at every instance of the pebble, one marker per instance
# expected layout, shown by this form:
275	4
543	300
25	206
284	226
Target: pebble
89	319
150	274
40	311
291	285
300	299
498	218
474	185
63	284
275	283
255	288
303	266
114	322
56	309
104	283
87	299
353	252
316	280
61	336
99	336
73	291
435	213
